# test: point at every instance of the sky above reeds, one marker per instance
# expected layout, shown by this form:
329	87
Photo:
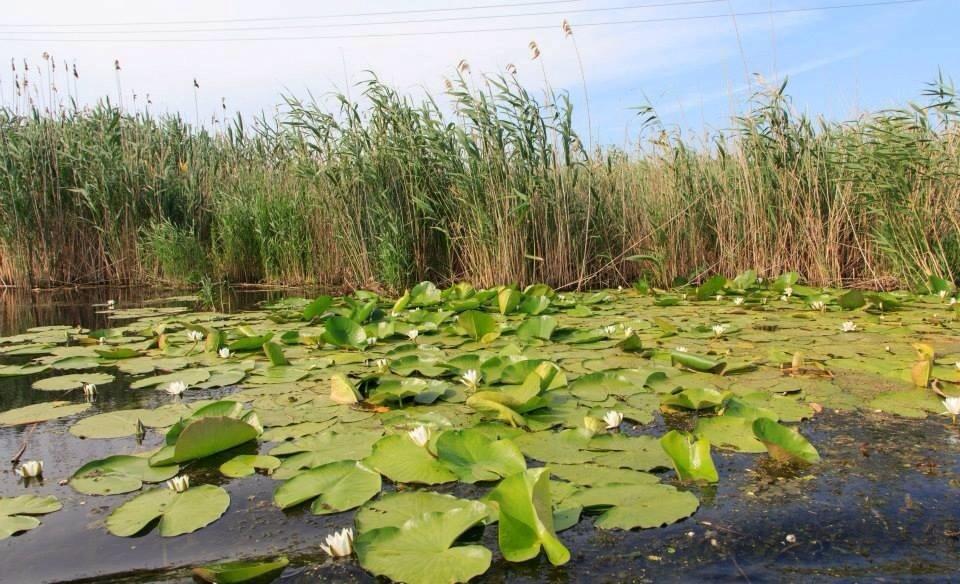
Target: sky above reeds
695	71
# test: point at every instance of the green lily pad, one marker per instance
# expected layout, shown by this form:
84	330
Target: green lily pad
395	509
783	443
244	465
474	457
241	571
632	506
335	487
421	551
72	381
690	455
526	518
479	326
179	513
537	327
124	422
16	513
730	432
41	412
399	459
119	474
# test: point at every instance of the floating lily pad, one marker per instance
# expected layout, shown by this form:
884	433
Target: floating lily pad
334	487
690	455
179	513
241	571
632	506
421	551
395	509
41	412
16	513
474	457
72	381
244	465
401	460
119	474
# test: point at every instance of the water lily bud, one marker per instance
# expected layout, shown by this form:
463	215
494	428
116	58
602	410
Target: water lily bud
224	353
30	469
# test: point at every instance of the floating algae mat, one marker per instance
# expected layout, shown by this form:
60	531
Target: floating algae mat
464	433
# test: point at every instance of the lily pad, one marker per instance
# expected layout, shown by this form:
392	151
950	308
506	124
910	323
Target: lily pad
41	412
421	551
179	513
244	465
16	513
690	455
335	487
526	518
783	443
401	460
241	571
119	474
474	457
72	381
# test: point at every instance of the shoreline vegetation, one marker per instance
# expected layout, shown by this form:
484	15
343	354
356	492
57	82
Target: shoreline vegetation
490	184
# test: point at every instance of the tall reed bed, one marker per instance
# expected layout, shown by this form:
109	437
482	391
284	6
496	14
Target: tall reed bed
489	184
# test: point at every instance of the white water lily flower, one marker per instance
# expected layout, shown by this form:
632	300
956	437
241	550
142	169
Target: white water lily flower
371	341
788	291
952	301
470	378
784	298
89	389
719	329
224	353
739	300
719	297
30	469
942	294
619	288
195	336
613	419
102	341
420	435
848	326
412	334
818	305
175	388
609	330
953	407
957	365
179	484
111	304
339	544
627	331
681	349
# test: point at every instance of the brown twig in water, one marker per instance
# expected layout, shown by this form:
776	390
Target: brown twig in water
23	447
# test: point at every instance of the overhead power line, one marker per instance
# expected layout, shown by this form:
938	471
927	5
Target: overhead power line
528	28
302	17
475	17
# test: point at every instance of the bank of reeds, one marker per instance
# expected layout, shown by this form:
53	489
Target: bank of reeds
492	186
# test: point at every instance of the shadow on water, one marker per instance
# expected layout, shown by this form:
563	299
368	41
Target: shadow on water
882	507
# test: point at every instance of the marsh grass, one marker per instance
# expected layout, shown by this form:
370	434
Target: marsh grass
488	184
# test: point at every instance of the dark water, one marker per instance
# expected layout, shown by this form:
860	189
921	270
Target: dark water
884	506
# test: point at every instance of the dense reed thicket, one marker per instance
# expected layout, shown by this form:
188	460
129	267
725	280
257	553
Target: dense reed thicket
496	187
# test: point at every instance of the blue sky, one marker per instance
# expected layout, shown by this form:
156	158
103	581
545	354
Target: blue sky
840	62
